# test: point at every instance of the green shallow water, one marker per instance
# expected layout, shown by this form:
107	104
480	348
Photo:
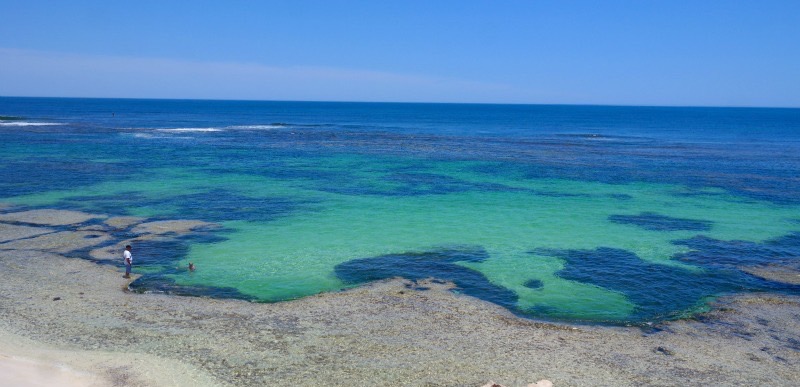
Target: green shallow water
629	227
295	255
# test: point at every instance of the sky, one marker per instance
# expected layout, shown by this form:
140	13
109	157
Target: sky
645	52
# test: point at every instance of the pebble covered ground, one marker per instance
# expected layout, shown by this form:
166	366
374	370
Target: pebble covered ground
394	332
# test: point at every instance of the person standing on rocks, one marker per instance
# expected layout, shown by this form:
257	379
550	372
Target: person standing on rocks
126	255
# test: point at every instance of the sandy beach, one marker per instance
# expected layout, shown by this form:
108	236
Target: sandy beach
25	362
70	321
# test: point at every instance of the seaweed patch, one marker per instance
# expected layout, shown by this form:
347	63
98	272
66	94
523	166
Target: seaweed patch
658	291
533	284
161	283
440	264
711	252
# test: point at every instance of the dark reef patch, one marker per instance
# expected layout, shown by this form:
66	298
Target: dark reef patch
404	184
689	192
441	264
555	194
160	283
715	253
416	183
709	165
221	205
533	284
658	291
36	175
217	205
117	204
620	196
656	222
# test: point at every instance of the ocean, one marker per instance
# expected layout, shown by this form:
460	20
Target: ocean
589	214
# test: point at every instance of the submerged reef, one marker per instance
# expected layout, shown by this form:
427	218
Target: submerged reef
439	264
656	222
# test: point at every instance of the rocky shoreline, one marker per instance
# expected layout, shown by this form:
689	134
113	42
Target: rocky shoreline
385	333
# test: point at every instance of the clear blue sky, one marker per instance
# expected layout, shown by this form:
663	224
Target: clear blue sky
722	53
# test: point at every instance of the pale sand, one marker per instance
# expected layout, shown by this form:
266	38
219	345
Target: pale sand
76	313
21	372
24	362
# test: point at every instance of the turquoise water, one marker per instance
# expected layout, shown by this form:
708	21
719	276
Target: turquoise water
604	214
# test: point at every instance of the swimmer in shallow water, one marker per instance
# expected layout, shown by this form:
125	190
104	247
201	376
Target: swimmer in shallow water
190	267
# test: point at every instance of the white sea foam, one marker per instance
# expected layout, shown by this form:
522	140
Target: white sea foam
183	130
164	136
220	129
24	123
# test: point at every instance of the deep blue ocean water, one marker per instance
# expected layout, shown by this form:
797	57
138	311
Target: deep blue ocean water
581	213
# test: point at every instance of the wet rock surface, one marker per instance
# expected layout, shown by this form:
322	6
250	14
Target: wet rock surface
60	242
48	217
171	226
10	232
779	273
123	222
84	235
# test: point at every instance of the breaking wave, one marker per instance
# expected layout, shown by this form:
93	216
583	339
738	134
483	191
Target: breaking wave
25	123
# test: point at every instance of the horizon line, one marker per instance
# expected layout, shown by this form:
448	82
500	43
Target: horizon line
412	102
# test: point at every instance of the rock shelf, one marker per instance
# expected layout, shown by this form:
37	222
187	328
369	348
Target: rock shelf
386	333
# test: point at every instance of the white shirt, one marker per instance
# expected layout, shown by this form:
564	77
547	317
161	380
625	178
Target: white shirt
126	256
